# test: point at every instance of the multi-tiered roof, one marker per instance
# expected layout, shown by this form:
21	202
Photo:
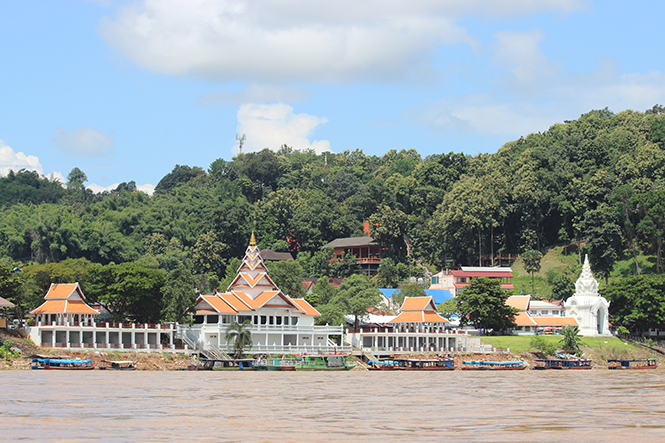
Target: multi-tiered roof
250	290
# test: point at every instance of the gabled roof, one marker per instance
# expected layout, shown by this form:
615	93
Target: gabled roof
418	304
520	302
305	307
217	304
5	303
418	317
253	281
523	319
234	301
349	242
270	255
63	290
59	306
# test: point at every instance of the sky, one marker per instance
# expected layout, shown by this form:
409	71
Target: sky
126	90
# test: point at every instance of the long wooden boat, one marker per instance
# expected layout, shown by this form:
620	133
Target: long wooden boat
643	363
125	365
557	363
70	364
413	364
322	362
493	366
275	364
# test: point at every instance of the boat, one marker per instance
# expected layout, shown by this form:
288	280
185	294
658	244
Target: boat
412	364
643	363
560	363
275	364
322	362
493	365
125	365
75	364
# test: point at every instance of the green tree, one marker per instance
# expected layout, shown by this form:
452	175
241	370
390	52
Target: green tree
604	240
387	275
409	290
208	254
75	179
563	287
179	295
356	295
532	265
323	291
240	335
10	286
483	303
539	344
287	275
637	301
448	308
231	273
129	290
571	341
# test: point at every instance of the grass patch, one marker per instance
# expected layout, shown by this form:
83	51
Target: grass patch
521	343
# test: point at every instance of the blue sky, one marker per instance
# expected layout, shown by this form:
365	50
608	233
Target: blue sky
125	90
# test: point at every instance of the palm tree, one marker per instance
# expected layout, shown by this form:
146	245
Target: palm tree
571	340
241	335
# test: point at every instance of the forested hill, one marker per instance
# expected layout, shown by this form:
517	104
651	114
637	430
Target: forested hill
600	177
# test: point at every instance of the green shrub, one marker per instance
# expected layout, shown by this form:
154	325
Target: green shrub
539	344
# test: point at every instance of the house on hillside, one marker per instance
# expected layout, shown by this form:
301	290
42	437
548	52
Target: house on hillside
365	249
454	280
538	316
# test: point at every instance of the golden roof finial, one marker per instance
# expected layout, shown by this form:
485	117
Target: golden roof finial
252	241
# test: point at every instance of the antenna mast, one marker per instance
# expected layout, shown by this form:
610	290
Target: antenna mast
241	139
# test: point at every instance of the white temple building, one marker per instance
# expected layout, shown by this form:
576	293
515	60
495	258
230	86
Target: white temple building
278	323
587	306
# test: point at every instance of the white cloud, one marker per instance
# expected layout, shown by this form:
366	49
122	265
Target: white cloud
57	176
298	40
84	142
97	189
10	160
271	126
254	94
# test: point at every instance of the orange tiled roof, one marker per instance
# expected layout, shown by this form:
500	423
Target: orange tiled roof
416	303
523	319
219	304
520	302
237	303
555	321
64	307
418	317
265	297
61	290
305	307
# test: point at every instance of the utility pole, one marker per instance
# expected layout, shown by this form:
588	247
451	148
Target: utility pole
241	139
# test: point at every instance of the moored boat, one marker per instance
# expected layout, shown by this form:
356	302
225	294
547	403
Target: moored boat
413	364
493	365
62	364
643	363
322	362
558	363
275	364
125	365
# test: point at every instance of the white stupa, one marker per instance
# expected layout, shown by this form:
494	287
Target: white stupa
587	306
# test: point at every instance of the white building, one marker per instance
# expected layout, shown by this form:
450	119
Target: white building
65	320
278	323
538	315
587	306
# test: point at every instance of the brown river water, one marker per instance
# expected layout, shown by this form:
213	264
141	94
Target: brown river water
144	406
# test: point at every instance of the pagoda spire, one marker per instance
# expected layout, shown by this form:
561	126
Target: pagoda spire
252	240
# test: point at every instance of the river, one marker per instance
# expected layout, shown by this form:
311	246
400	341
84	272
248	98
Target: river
144	406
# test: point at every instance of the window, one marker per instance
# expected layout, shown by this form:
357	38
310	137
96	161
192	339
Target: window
278	320
212	319
435	280
264	319
294	321
271	320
